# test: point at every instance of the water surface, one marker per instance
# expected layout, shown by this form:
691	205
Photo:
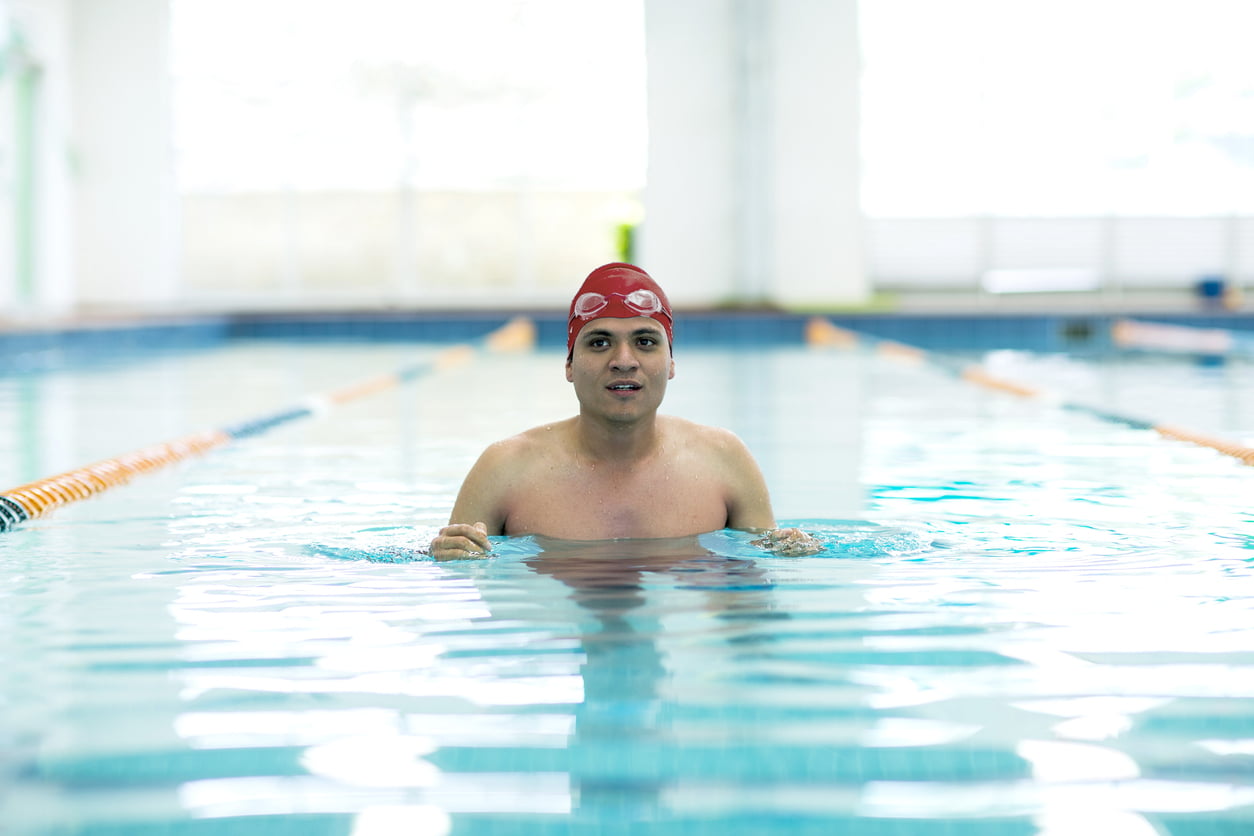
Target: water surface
1025	620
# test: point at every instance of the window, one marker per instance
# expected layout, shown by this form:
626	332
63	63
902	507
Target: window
1060	108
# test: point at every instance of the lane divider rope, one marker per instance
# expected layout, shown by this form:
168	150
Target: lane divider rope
820	333
36	499
1160	336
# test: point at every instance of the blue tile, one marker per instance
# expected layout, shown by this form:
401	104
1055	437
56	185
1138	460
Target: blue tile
36	350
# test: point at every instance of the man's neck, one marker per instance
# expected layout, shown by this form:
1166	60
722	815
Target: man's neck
616	442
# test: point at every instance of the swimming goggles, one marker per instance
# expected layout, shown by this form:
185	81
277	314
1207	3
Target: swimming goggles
643	302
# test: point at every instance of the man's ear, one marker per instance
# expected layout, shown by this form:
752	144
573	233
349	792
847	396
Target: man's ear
671	376
570	373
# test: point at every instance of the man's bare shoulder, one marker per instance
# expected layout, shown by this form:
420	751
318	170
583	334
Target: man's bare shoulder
723	457
528	445
709	438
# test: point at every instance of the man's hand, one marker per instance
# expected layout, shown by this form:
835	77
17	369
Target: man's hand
460	541
789	542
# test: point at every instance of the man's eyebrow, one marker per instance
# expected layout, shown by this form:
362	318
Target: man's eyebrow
589	333
651	330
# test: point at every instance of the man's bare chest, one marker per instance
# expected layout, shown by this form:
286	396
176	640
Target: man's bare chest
607	503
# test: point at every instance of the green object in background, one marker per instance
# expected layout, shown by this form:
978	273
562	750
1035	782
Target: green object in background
626	242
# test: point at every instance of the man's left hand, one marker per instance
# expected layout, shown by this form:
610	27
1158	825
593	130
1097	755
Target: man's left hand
789	542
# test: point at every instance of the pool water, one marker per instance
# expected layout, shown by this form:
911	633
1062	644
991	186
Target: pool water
1026	620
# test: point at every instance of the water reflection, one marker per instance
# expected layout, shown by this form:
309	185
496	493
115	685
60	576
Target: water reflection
466	689
621	588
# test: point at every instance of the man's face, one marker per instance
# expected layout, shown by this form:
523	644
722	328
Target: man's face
620	367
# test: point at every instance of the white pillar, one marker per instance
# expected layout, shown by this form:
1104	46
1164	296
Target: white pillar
125	223
40	276
691	201
11	52
818	227
753	182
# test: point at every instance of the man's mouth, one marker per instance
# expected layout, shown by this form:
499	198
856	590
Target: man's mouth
623	387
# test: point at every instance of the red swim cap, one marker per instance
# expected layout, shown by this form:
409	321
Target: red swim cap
621	291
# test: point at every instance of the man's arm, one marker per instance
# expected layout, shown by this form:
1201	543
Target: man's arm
478	512
749	507
748	500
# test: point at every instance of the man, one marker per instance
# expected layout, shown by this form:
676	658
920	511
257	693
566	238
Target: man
617	469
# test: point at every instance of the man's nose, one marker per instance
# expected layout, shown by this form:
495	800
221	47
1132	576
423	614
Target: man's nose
624	357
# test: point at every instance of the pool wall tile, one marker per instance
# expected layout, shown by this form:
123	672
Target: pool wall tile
39	349
34	349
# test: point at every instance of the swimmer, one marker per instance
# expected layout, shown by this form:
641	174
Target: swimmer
618	469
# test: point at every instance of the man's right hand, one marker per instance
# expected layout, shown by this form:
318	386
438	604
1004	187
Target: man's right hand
460	541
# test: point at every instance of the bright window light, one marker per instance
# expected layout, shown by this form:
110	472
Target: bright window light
1072	107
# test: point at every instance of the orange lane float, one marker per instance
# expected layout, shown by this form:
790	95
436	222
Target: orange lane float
820	333
35	499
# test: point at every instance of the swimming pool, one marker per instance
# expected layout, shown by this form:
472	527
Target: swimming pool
1027	619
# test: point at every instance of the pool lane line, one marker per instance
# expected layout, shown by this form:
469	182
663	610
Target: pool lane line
36	499
1180	339
820	333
